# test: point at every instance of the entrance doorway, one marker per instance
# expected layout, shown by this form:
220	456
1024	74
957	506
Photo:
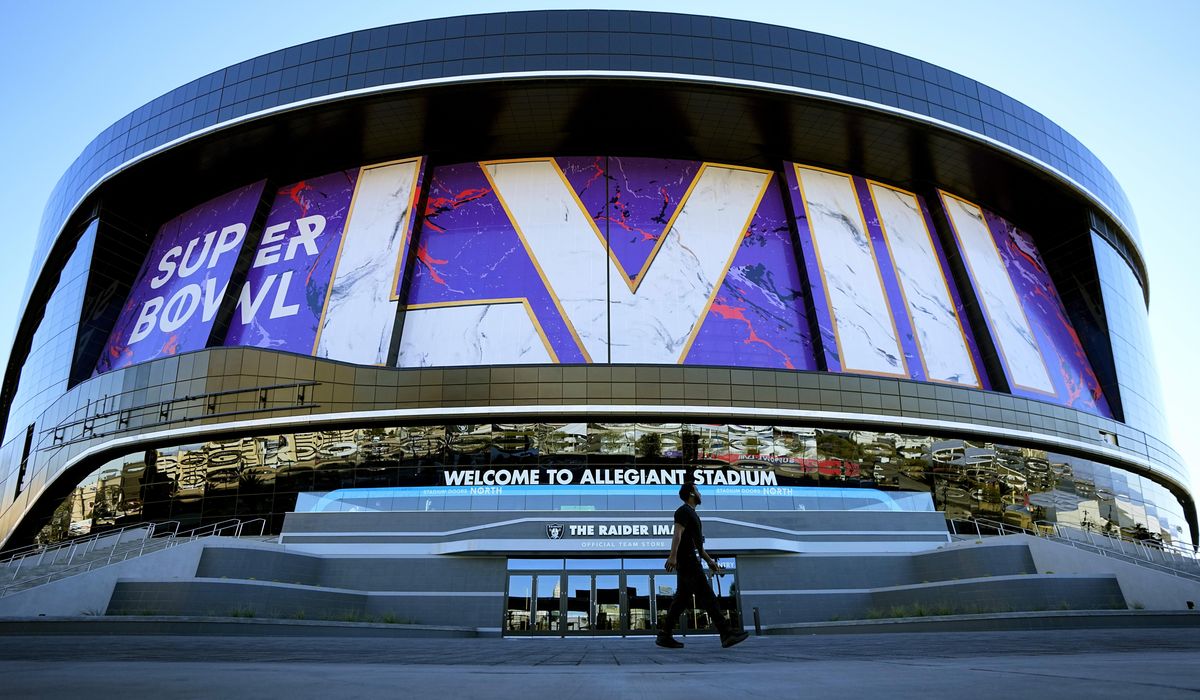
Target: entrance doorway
581	597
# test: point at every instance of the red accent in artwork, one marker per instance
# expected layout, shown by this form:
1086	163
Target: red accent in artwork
736	313
293	194
440	205
429	262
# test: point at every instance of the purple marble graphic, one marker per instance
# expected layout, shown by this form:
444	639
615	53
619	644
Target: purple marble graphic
812	268
1075	383
293	290
968	330
891	285
631	200
175	296
468	250
758	317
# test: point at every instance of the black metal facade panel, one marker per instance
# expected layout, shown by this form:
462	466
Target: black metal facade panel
592	40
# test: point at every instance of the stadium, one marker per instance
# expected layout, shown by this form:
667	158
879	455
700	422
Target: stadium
449	310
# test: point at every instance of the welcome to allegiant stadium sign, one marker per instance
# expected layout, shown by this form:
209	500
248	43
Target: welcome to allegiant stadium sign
610	477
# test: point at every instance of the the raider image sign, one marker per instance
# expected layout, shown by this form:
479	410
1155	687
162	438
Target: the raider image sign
558	531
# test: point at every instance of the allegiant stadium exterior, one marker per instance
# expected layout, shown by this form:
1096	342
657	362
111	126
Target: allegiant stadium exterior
558	262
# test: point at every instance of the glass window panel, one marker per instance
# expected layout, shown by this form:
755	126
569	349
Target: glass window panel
651	502
750	502
565	502
622	502
469	444
548	608
539	502
613	439
485	502
589	501
505	502
640	564
535	564
720	501
560	442
514	444
593	564
579	604
519	608
457	503
638	596
608	603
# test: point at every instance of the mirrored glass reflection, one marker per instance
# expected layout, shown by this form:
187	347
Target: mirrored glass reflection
406	468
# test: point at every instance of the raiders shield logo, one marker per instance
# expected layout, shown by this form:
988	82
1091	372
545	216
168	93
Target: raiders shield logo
554	531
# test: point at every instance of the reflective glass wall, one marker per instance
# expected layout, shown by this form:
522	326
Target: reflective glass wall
262	476
46	371
1129	331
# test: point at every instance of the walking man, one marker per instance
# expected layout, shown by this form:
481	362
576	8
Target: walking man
687	549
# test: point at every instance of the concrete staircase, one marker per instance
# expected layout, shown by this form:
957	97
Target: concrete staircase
953	580
229	577
34	566
268	581
38	565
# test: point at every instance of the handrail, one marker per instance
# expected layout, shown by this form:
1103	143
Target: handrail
88	543
262	526
42	549
1167	555
208	530
1141	558
174	530
170	539
154	529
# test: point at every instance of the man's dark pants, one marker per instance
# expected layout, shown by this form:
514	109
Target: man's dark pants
693	582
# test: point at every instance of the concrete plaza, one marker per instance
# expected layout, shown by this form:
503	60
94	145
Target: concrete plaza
1112	663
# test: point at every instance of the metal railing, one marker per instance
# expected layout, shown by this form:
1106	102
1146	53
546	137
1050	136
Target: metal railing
1165	558
233	527
83	545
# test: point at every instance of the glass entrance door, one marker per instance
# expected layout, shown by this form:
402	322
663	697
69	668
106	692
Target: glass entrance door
608	604
629	596
695	619
548	605
639	617
518	610
578	599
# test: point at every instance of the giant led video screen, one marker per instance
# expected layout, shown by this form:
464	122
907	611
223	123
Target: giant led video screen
596	259
176	295
604	259
1039	349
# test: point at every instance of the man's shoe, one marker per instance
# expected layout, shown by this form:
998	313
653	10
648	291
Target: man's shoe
728	640
668	642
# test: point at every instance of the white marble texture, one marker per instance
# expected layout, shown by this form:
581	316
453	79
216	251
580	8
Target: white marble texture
930	306
862	318
562	243
1018	347
477	334
656	323
360	312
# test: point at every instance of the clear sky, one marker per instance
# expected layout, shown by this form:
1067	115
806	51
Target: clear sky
1122	77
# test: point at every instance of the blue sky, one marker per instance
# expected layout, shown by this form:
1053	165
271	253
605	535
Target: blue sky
1120	76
